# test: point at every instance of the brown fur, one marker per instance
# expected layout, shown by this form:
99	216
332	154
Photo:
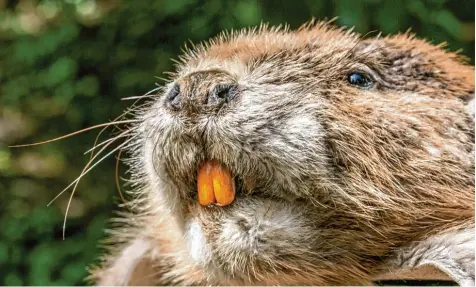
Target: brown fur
343	177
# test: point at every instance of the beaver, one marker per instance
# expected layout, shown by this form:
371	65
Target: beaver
351	158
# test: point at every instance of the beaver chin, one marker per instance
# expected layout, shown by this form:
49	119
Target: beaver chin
249	238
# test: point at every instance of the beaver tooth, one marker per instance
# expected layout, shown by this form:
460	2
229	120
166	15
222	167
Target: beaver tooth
215	184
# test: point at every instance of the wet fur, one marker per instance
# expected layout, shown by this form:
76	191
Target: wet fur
344	177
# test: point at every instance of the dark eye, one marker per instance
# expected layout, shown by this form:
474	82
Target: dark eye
360	80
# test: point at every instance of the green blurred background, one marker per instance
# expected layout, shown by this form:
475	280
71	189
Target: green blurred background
64	65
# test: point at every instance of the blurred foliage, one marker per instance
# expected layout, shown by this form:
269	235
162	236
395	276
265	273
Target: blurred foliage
64	65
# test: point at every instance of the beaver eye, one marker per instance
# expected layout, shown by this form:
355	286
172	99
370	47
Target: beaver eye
360	80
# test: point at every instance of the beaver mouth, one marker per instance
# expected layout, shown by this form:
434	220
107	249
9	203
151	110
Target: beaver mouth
241	188
244	184
216	185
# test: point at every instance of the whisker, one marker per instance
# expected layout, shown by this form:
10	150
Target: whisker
75	133
86	166
146	95
75	187
166	80
99	134
76	182
92	157
136	97
70	199
118	186
95	164
106	141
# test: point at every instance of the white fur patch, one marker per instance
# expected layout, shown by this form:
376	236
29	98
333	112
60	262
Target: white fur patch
433	151
298	123
121	271
470	108
197	243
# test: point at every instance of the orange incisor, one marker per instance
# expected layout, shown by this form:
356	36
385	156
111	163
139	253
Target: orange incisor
215	184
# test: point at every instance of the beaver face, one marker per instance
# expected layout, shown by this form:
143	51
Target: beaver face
341	149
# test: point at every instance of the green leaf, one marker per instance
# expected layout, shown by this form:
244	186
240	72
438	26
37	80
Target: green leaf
61	70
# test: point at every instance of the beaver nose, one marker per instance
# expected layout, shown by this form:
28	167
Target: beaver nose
221	94
202	91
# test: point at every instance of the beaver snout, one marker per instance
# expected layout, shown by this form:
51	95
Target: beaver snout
202	91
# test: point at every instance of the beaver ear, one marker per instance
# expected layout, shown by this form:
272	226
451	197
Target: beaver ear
131	266
448	256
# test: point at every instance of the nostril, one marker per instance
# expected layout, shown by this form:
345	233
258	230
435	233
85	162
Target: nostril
224	92
173	97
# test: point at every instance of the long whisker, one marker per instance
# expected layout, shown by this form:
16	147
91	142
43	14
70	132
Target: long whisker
136	97
106	141
95	164
146	95
76	182
76	132
70	199
76	186
118	186
99	134
90	160
128	111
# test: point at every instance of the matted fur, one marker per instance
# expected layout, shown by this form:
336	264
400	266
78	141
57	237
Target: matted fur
343	177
